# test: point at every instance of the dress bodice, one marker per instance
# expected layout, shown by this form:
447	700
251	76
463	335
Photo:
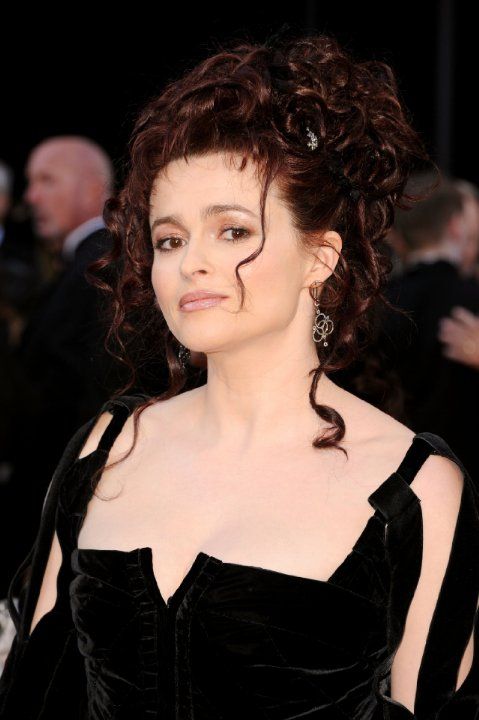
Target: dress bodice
244	642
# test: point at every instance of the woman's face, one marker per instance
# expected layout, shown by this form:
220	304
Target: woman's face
199	238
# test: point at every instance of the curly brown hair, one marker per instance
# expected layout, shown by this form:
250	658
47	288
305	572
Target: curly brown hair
258	102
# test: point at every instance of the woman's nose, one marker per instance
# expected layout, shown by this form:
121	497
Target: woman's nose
195	257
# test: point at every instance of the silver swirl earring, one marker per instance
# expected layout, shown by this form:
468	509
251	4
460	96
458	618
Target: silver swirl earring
323	325
183	356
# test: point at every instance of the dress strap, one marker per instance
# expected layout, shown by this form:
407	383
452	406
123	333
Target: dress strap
414	459
394	495
400	509
120	408
455	615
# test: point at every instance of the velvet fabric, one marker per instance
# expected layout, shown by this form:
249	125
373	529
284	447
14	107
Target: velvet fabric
234	641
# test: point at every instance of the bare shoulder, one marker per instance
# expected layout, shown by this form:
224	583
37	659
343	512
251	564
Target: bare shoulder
375	437
439	481
439	485
165	415
175	416
122	442
176	406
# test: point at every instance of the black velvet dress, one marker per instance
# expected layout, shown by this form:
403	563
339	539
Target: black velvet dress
238	642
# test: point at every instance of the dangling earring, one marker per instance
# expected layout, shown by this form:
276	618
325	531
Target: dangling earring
183	356
323	325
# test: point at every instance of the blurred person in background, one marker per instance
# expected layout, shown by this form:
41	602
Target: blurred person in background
60	354
470	229
69	179
6	187
19	274
441	235
19	280
446	227
7	323
460	334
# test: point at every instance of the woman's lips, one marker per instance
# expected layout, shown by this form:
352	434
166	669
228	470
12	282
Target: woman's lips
202	303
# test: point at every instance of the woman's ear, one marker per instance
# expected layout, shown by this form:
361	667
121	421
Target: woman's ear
325	256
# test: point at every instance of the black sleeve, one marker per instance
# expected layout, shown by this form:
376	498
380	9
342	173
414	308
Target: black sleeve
455	618
43	675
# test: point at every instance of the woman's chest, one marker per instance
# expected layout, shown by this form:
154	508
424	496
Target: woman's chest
279	513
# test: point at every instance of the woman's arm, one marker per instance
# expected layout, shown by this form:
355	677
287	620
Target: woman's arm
44	674
433	673
48	590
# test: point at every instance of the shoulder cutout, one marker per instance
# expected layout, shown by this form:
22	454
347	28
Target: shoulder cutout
94	437
431	660
105	428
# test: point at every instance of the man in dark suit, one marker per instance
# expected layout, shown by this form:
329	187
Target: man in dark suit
442	237
64	369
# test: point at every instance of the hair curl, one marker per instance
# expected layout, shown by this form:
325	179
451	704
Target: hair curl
257	101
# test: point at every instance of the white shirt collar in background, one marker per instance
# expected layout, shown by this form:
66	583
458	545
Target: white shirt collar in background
448	252
74	238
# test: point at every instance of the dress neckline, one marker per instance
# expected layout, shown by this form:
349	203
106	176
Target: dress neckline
145	556
145	553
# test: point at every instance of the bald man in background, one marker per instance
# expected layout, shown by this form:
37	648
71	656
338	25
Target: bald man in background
66	373
69	180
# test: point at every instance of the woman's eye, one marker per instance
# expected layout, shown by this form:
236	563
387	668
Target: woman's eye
244	233
239	233
159	244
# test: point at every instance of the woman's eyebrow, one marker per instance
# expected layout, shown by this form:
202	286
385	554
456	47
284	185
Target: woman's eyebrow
207	212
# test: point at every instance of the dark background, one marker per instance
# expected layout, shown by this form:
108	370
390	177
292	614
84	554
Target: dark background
88	68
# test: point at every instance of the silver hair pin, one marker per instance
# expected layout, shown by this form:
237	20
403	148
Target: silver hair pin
336	167
313	139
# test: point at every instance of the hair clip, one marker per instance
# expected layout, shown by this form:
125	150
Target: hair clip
313	139
336	167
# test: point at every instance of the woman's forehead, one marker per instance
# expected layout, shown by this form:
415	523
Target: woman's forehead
210	164
210	180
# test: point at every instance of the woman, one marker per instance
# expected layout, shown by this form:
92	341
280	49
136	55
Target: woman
212	552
